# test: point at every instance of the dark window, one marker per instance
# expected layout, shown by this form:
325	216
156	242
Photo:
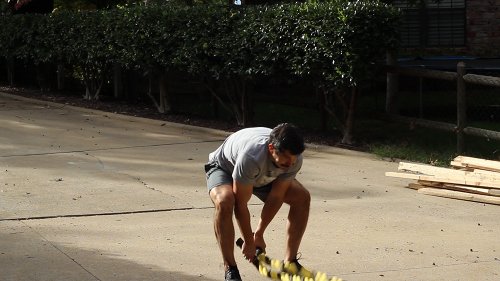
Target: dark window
433	23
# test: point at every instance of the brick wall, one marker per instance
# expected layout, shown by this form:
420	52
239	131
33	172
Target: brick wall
483	27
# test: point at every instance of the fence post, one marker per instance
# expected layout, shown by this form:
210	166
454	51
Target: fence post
461	107
392	86
60	77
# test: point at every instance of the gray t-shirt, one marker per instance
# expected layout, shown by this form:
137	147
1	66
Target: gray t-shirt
245	155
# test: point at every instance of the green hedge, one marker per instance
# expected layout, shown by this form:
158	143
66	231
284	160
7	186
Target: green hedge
335	42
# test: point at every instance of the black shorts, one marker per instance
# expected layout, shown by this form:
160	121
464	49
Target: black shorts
216	176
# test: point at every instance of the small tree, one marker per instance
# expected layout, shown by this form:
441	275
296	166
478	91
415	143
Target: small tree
344	53
86	47
208	51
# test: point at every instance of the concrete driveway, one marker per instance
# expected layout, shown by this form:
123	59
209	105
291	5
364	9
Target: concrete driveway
89	195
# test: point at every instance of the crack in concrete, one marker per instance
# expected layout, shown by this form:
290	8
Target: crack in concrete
109	148
97	158
113	213
146	185
104	214
418	268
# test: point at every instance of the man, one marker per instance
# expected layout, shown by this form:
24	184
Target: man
262	162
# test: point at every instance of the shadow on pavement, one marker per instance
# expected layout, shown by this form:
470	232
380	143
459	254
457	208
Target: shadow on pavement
23	258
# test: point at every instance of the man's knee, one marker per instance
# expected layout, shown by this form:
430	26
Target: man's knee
306	197
223	198
298	195
226	204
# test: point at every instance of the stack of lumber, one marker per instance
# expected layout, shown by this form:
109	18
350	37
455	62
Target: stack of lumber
469	178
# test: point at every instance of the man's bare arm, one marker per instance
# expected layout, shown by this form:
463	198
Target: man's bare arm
242	194
271	207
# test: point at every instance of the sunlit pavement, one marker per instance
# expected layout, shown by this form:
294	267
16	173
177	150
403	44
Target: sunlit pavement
90	195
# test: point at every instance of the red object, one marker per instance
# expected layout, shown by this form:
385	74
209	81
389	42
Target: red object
31	6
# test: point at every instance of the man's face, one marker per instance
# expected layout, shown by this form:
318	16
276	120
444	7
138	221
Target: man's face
284	159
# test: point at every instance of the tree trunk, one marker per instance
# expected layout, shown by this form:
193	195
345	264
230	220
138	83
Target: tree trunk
129	80
98	88
117	81
349	124
60	77
321	98
216	99
10	71
341	102
239	96
245	103
43	71
330	109
235	102
214	105
165	104
93	79
87	93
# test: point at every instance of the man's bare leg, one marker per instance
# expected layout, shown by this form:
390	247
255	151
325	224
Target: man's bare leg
223	199
299	200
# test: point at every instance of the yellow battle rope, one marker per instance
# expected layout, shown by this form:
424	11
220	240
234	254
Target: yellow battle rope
284	271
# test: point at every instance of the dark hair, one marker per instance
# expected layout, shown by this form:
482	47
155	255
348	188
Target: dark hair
286	136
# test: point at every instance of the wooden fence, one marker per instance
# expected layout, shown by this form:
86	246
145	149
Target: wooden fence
461	78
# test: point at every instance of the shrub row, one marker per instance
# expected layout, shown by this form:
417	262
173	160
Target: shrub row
334	42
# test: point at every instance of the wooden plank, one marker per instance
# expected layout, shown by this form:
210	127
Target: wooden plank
457	187
415	186
406	176
458	165
447	172
465	188
460	195
465	180
485	172
430	183
478	163
427	169
494	192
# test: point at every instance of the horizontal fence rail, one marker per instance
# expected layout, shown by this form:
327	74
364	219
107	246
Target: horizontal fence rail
460	128
482	80
421	72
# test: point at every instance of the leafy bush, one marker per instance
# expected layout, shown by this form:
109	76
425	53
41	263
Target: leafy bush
334	43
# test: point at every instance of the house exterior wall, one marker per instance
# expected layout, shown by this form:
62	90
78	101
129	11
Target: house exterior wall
483	27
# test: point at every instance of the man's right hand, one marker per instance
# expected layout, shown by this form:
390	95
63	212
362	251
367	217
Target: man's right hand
248	250
259	241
